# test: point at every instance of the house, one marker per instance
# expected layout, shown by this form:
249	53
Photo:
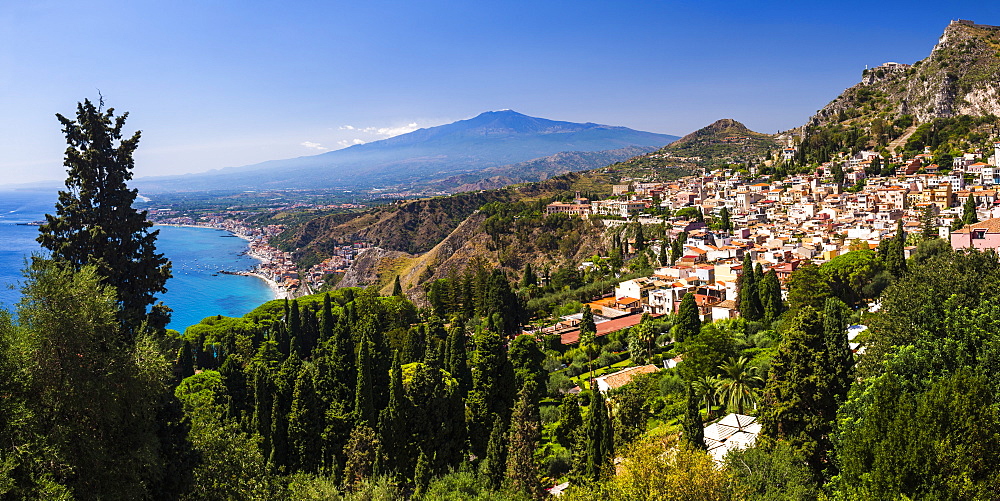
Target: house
982	235
603	328
623	377
725	309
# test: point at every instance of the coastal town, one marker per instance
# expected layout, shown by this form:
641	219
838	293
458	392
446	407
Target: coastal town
276	267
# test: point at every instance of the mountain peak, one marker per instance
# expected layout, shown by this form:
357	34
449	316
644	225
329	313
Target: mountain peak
717	130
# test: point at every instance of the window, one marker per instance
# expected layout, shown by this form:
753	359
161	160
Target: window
978	234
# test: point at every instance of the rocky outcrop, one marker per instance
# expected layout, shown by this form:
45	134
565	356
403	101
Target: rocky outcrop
961	76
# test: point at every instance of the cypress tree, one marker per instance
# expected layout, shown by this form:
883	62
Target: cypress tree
663	258
525	435
838	351
263	407
185	361
397	288
305	424
295	323
283	391
969	215
327	323
894	255
770	296
393	422
528	278
492	388
526	358
600	438
724	220
693	431
413	350
95	223
421	474
361	455
748	296
235	379
364	399
343	361
570	421
800	397
688	323
494	465
456	360
588	336
676	250
640	238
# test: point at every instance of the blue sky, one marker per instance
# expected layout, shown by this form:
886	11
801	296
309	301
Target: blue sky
215	83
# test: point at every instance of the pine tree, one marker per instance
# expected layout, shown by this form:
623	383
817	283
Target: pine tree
688	323
693	431
928	223
600	438
95	222
525	435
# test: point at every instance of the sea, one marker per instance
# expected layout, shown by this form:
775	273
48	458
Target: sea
197	289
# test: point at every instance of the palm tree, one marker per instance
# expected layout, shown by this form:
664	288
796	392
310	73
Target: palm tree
708	388
740	384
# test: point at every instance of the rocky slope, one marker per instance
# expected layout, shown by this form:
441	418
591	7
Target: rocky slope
961	76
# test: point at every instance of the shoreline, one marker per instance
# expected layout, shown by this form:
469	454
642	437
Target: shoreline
276	289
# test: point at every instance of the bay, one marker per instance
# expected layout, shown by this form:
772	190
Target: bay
197	289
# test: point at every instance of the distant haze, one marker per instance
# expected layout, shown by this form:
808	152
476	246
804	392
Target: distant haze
491	139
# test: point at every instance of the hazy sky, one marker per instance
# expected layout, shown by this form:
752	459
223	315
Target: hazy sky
215	83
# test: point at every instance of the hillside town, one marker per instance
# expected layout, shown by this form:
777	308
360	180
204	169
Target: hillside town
782	224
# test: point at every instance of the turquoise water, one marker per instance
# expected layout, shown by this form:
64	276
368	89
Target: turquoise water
196	291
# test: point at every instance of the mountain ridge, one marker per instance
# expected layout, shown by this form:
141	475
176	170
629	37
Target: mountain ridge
490	139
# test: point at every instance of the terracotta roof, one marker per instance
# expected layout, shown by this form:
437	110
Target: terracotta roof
604	328
990	225
624	376
729	303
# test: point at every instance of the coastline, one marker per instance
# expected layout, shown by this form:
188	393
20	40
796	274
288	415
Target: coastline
276	289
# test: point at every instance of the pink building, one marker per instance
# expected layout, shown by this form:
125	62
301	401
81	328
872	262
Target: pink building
982	235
